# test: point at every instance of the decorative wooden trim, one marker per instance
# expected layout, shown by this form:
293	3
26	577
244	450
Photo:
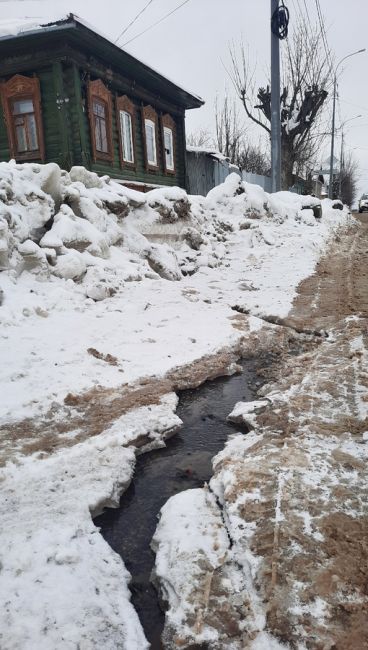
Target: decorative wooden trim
18	88
97	90
168	122
149	113
123	103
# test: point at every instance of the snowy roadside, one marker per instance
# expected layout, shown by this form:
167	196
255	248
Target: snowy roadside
95	299
55	338
274	550
61	584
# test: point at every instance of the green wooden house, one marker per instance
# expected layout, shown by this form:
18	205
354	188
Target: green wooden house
72	97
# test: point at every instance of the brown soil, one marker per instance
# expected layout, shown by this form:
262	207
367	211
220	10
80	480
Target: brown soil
305	432
90	413
308	474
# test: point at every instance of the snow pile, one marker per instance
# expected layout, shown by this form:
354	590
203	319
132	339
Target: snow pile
291	496
86	262
71	225
204	575
103	289
63	585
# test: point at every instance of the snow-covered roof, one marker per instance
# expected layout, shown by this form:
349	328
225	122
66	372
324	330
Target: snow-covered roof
11	28
209	151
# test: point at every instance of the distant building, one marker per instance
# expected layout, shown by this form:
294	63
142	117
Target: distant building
72	97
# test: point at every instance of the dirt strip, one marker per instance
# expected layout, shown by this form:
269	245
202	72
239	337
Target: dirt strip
295	501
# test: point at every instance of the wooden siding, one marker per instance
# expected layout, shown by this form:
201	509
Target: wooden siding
140	174
67	130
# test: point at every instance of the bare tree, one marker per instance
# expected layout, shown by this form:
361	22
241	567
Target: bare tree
306	78
229	129
200	138
252	158
347	180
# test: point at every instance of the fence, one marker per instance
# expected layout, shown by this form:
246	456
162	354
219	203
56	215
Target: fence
257	179
206	169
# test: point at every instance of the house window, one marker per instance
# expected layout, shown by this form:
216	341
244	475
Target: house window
168	141
100	115
150	129
125	110
25	127
169	148
100	124
150	136
22	107
126	136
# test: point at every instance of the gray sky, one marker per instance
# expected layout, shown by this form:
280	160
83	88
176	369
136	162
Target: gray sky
191	46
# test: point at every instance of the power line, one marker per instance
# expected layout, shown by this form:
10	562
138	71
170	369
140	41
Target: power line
134	20
307	12
323	33
363	108
156	23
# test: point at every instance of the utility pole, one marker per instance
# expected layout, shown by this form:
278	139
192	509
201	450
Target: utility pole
342	156
341	162
330	186
275	105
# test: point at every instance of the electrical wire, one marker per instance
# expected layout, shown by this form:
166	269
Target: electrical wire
307	12
323	34
134	20
363	108
156	23
280	21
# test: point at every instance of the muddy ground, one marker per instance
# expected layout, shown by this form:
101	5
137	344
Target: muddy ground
297	499
310	465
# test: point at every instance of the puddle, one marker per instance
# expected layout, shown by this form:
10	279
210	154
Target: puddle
185	463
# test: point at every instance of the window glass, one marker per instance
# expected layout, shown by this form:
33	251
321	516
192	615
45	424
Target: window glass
25	125
32	130
150	142
99	112
169	150
23	106
21	136
99	109
127	136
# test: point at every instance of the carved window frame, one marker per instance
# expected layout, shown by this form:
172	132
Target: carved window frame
149	113
123	103
16	89
96	90
167	122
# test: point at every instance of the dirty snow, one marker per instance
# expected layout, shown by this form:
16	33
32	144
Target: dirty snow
62	586
148	283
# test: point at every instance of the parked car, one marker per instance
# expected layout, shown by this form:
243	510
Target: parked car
363	203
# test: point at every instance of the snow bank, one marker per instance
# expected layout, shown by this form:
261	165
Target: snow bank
151	282
62	586
87	263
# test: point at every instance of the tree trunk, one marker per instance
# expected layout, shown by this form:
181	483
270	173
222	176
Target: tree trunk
287	164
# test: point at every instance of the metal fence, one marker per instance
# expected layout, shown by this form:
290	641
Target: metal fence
206	170
257	179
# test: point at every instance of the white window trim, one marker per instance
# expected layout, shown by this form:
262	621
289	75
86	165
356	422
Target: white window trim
169	131
151	124
123	135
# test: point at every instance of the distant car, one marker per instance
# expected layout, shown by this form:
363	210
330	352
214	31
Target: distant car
363	203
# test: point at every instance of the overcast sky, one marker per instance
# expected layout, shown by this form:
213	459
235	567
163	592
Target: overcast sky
191	46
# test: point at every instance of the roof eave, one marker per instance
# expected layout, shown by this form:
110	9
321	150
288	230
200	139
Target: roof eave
71	23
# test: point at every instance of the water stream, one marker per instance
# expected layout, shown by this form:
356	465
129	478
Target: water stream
184	463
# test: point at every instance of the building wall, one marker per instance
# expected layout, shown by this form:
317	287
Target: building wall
67	130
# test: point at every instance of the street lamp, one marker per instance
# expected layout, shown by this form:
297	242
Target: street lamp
342	150
330	187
